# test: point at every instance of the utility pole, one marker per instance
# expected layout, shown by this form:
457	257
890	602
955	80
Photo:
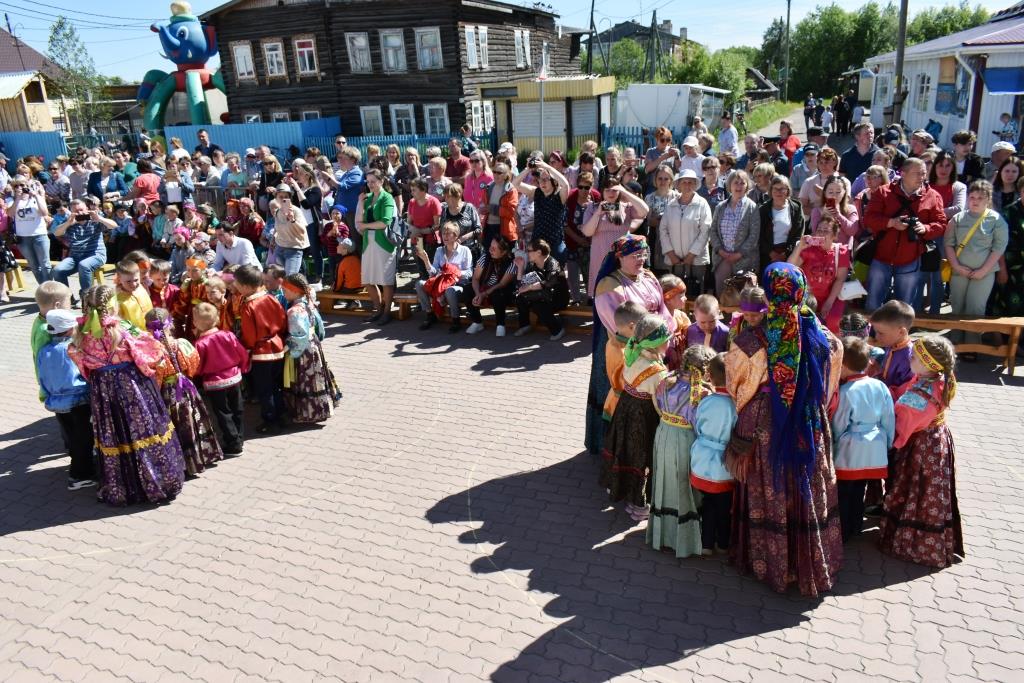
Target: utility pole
654	46
785	83
590	41
901	41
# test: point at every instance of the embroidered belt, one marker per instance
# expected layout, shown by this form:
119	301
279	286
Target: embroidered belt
138	444
676	420
636	394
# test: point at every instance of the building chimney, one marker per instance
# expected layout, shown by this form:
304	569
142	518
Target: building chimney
666	26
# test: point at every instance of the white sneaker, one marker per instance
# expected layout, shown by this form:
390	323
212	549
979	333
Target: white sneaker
500	331
556	337
525	329
475	328
317	286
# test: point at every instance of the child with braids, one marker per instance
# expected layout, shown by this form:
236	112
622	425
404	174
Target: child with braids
674	523
193	291
310	393
675	300
628	450
141	459
920	518
187	410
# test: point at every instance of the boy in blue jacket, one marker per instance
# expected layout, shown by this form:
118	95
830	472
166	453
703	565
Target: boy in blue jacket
66	394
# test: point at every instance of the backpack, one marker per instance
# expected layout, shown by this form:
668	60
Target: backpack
397	231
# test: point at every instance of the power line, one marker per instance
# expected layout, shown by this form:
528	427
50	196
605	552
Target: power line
92	14
85	23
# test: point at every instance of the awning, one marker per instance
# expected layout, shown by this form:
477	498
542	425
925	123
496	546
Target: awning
1004	80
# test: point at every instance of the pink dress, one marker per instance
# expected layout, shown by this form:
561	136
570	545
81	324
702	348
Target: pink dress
604	238
819	267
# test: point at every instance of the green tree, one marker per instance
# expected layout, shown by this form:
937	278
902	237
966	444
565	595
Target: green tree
726	69
77	81
626	63
933	22
772	54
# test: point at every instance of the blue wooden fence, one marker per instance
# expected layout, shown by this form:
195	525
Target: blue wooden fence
236	137
633	136
48	144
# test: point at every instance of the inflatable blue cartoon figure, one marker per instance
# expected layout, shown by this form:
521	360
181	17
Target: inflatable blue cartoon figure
189	43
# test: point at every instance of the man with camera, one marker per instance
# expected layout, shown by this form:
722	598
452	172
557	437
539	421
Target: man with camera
903	217
83	233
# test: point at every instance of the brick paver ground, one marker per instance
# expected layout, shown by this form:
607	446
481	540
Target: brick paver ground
446	526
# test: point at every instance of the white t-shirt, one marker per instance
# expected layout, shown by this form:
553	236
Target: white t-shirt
173	190
28	221
781	224
179	153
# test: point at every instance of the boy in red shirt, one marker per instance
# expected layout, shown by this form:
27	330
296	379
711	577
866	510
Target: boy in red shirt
263	326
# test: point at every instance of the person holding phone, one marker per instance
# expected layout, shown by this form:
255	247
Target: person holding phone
83	232
29	213
836	203
781	220
290	232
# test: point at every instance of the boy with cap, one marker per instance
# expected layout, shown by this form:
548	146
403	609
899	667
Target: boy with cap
66	394
1001	151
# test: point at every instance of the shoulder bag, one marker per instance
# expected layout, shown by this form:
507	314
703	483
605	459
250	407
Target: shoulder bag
852	288
947	267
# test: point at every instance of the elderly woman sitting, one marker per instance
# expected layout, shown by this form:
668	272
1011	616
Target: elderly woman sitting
542	290
449	274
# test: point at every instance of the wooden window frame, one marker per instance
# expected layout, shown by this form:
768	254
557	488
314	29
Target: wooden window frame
435	30
484	48
240	78
526	48
380	118
517	35
488	110
255	116
426	119
315	71
922	91
274	114
369	53
303	113
266	43
472	55
383	51
393	109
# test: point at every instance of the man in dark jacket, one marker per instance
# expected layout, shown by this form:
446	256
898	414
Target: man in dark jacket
969	166
902	216
857	159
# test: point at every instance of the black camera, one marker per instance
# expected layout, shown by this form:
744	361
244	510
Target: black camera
81	217
911	223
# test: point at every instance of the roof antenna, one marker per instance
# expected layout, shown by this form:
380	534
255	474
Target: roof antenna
17	43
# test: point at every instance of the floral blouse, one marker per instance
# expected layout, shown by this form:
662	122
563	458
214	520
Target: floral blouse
94	354
304	327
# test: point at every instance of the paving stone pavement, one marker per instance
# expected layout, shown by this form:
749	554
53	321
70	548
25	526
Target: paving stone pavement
445	526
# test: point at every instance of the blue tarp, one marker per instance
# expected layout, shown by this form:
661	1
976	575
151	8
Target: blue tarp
1004	80
47	144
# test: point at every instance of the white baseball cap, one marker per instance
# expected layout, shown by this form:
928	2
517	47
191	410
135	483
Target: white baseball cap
1003	146
59	321
686	173
690	141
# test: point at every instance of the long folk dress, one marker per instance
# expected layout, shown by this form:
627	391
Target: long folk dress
921	519
188	413
674	521
779	535
310	390
141	455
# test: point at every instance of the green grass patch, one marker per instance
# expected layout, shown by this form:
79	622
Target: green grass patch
768	113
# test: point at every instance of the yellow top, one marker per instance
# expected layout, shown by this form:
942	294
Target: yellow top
134	307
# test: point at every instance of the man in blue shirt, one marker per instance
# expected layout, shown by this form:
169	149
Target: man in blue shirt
347	180
857	159
83	233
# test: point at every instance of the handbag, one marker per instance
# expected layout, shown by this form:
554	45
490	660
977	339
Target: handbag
865	253
852	288
931	259
947	267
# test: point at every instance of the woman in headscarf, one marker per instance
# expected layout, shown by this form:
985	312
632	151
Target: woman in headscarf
622	277
782	374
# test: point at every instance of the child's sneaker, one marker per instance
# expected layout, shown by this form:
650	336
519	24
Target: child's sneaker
475	328
499	331
75	484
558	335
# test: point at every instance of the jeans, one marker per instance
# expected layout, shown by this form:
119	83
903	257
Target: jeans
451	297
577	270
36	250
316	250
289	259
85	266
936	293
969	298
900	280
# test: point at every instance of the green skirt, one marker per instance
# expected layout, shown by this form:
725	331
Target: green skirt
675	520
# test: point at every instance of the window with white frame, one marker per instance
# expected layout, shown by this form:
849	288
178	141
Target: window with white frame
310	114
305	55
476	118
403	119
472	60
488	115
245	70
273	53
526	48
883	90
371	119
359	52
428	48
520	54
252	118
392	50
922	92
481	34
280	116
436	118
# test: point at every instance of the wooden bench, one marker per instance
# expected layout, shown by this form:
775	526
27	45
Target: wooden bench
97	275
327	300
1011	327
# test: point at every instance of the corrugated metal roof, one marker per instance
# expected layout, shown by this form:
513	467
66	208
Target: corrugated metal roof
953	41
1007	36
12	84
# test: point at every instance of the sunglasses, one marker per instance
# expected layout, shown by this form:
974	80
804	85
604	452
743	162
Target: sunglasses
583	188
664	139
339	142
476	161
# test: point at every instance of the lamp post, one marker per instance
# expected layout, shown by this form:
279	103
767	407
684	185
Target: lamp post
901	41
785	83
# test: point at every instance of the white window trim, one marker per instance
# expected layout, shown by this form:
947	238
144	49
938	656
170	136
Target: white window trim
526	48
252	117
922	91
472	58
274	114
363	111
251	75
520	54
310	111
488	115
426	119
315	71
266	58
369	54
404	67
394	109
440	52
481	33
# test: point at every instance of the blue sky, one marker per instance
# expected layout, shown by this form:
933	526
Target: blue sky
117	35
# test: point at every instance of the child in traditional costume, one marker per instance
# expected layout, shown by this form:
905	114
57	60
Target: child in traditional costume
674	522
133	302
222	362
263	327
863	428
753	306
921	518
161	292
707	329
629	447
310	391
193	291
627	315
712	427
140	453
188	412
217	294
675	300
890	327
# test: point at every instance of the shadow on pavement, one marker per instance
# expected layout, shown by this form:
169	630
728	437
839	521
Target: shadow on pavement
628	607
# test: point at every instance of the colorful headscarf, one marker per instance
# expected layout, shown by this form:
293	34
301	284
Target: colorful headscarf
624	246
798	356
635	345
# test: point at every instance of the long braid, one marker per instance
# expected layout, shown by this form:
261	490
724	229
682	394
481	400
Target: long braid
158	321
944	353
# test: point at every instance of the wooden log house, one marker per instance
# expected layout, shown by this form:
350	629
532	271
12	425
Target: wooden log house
412	67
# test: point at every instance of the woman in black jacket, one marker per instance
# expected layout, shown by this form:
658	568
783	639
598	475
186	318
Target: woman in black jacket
782	223
969	166
310	199
543	290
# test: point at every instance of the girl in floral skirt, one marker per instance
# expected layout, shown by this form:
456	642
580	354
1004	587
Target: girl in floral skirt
140	452
311	393
188	412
